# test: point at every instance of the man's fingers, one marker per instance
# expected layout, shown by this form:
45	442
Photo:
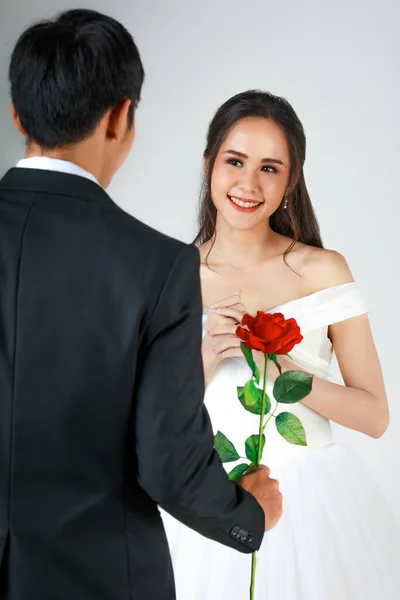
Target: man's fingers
261	468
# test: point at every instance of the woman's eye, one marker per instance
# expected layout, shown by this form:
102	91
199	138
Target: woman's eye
234	162
268	169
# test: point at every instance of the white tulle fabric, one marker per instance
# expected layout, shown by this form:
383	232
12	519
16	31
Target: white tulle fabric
337	539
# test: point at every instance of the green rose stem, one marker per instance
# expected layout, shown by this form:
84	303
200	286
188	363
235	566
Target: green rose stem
270	417
259	454
263	405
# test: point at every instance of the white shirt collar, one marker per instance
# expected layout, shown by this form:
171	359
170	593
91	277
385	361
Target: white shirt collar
54	164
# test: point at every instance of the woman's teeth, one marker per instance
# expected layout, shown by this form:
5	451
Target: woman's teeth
242	203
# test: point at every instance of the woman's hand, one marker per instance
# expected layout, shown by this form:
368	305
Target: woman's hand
220	340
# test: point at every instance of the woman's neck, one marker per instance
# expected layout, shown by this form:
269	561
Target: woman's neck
242	249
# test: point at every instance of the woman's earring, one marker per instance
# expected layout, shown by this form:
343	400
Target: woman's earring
285	202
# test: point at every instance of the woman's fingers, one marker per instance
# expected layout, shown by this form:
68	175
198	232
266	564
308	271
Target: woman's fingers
231	353
231	313
229	342
230	300
224	328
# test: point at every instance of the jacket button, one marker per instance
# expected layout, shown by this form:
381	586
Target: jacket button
243	537
234	532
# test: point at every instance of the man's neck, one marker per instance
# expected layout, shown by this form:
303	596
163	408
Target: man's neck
80	155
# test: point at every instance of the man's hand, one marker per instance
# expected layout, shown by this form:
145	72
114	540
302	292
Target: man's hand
266	491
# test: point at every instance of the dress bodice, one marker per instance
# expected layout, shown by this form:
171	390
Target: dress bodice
314	314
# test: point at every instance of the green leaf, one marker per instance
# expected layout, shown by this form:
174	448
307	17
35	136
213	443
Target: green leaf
248	354
291	429
238	472
226	450
274	359
251	394
292	386
250	397
252	448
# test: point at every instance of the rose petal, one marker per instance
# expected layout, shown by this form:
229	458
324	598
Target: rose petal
269	331
242	333
256	343
248	320
279	317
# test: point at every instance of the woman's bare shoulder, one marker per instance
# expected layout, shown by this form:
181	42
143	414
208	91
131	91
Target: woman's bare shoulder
324	268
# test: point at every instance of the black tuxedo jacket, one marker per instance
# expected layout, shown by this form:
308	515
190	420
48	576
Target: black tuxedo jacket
101	399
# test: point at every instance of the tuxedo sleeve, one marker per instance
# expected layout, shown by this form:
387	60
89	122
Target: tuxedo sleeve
177	464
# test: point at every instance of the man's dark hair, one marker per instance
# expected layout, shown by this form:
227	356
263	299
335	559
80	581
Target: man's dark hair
67	72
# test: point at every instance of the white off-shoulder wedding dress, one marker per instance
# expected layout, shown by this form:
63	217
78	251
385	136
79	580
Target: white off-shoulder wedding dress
337	539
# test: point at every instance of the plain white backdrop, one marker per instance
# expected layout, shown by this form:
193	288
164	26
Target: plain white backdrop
337	63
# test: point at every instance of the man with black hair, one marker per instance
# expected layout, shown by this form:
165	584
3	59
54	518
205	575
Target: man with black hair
101	378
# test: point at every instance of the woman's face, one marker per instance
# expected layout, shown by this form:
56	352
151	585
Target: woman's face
251	173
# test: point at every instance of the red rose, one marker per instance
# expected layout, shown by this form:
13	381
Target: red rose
271	334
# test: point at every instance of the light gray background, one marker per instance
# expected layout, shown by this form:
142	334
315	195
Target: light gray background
337	63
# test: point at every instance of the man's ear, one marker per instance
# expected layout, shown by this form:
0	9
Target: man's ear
117	121
16	120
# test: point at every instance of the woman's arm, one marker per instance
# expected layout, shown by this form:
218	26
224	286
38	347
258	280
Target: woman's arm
361	404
